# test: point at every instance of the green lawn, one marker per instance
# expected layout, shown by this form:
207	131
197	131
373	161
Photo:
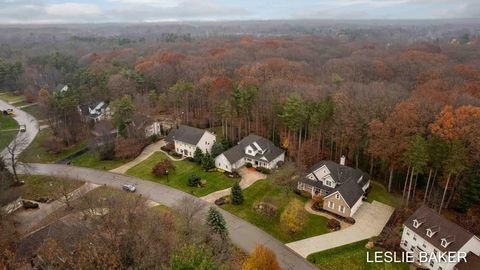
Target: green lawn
351	257
92	160
34	110
267	191
37	186
179	178
36	152
9	97
379	193
7	122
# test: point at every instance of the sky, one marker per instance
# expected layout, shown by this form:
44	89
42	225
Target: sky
101	11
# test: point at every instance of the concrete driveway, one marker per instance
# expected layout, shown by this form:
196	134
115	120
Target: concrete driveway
248	178
370	219
146	153
243	234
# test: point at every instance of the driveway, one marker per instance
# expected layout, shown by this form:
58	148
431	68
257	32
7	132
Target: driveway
370	219
243	234
248	178
22	118
146	153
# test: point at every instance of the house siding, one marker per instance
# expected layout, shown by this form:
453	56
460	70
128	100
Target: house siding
222	162
337	203
206	142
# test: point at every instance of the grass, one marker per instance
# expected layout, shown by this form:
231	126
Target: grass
37	186
379	193
36	152
266	190
179	178
7	122
351	257
9	97
34	110
92	160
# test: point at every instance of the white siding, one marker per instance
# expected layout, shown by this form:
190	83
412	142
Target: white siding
184	149
356	206
221	162
206	142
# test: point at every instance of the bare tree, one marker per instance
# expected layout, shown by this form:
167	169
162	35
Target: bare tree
14	149
188	212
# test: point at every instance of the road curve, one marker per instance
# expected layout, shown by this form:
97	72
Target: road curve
243	234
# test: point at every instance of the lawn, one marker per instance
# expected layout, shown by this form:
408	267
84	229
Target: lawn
9	97
7	122
379	193
179	178
92	160
267	191
34	110
350	257
37	186
36	152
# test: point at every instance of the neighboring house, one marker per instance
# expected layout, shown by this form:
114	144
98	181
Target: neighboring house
252	149
61	88
154	128
95	111
186	139
341	187
427	231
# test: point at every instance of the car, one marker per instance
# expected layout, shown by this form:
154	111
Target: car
23	128
129	188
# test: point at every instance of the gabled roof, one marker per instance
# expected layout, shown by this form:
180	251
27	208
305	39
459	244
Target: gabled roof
350	192
93	109
186	134
59	87
237	152
445	229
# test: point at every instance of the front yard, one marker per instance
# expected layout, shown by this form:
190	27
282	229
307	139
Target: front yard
92	160
37	186
352	257
7	123
179	177
267	191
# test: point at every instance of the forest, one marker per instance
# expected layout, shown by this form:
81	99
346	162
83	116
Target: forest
404	109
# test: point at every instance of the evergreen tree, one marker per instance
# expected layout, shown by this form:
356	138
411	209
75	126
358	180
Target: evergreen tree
470	192
217	149
198	155
208	162
216	222
237	194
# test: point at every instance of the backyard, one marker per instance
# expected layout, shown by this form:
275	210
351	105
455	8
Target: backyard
267	191
353	257
179	177
92	160
379	193
8	131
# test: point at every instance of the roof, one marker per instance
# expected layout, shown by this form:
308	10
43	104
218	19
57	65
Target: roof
346	179
59	87
237	152
187	134
93	109
473	262
446	229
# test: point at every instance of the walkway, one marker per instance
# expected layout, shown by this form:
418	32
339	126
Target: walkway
243	234
146	153
370	220
308	208
248	178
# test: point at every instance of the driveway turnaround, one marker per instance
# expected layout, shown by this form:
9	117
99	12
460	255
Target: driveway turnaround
370	219
243	234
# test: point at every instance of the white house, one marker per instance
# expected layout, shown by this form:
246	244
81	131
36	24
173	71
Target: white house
426	232
154	129
252	149
186	139
341	187
95	111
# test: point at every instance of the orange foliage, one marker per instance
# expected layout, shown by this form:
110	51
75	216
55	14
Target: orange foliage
261	258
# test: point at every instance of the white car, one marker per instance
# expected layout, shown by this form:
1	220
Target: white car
23	128
129	188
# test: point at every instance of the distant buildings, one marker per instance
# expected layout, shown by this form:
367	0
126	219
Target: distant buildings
95	111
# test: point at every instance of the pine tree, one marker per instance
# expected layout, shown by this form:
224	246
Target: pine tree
198	155
217	149
208	162
237	194
216	222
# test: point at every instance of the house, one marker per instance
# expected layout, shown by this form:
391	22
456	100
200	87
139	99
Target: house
61	88
252	149
426	232
341	187
154	128
186	139
95	111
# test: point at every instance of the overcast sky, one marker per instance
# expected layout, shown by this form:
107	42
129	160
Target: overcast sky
76	11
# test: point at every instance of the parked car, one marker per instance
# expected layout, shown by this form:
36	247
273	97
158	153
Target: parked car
8	112
23	128
129	188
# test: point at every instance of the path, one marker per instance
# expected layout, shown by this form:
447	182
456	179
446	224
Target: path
146	153
27	219
27	105
370	219
248	178
243	234
308	208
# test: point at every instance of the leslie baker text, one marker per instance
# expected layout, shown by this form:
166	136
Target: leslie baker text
418	257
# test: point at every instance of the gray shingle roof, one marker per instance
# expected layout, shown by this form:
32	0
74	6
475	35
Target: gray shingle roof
446	229
187	134
345	177
237	152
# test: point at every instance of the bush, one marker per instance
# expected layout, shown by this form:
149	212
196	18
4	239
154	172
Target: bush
333	224
317	202
303	193
248	165
198	155
154	138
129	148
263	170
163	167
193	180
53	145
168	147
293	217
266	209
208	162
350	220
29	205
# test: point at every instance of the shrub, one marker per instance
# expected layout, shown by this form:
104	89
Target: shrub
53	145
317	202
236	193
129	148
154	138
193	180
29	205
303	193
198	155
168	147
350	220
162	167
261	258
266	209
248	165
263	170
333	224
208	162
293	217
217	149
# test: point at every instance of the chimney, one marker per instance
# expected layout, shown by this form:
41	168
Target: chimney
342	160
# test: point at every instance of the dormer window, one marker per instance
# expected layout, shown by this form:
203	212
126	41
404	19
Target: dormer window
445	243
432	231
416	223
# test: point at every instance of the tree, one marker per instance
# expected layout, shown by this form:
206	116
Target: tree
217	149
208	162
163	168
294	114
123	110
194	180
417	157
293	217
261	258
15	147
454	165
188	210
216	222
198	155
192	257
470	191
236	193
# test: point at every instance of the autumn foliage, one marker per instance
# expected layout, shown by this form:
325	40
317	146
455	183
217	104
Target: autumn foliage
261	258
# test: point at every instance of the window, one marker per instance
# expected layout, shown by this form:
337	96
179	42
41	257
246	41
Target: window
416	223
405	243
440	268
414	238
337	196
424	245
431	263
328	183
444	243
331	205
341	208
